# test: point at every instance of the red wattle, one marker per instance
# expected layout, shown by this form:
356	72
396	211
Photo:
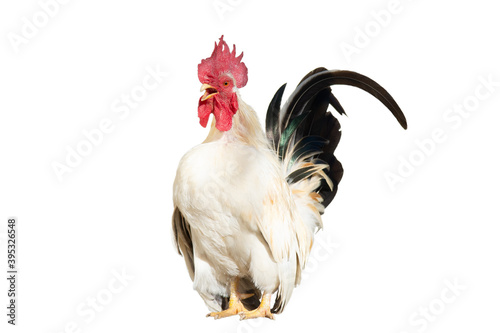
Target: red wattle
223	112
205	108
223	118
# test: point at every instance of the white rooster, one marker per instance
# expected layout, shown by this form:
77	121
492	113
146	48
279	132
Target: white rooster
248	202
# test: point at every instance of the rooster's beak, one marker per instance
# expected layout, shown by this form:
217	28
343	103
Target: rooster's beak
209	91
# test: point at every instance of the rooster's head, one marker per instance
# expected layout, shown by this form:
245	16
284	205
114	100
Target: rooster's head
221	75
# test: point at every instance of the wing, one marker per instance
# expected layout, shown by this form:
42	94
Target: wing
183	242
182	238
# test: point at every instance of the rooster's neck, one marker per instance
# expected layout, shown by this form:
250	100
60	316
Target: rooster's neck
245	129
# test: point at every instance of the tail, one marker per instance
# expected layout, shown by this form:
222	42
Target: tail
305	134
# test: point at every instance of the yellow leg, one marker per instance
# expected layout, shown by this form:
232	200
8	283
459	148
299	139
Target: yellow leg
264	309
235	305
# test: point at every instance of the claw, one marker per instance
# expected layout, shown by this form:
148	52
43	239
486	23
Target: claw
263	311
235	305
257	313
234	308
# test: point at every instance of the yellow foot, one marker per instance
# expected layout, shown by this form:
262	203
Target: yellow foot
233	310
263	311
235	305
257	313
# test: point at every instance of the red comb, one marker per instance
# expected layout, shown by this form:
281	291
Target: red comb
223	61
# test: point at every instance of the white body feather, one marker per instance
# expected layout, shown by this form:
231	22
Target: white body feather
245	219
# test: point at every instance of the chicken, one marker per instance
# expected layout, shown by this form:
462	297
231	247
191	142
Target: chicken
247	202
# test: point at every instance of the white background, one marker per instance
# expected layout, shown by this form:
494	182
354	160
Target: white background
394	248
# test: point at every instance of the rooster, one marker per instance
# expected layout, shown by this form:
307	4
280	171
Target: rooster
248	202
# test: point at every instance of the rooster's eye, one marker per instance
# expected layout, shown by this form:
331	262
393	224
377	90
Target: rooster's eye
226	83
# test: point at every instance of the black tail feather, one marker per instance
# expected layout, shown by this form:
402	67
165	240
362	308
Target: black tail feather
306	114
273	116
